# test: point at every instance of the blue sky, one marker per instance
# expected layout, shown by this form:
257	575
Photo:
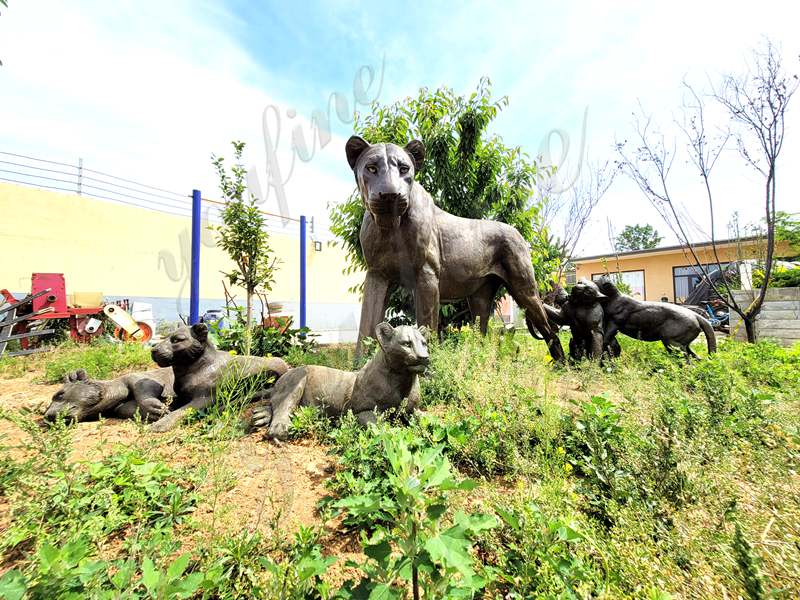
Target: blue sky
149	90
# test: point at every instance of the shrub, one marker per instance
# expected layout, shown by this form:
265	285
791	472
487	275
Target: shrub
415	549
595	447
536	555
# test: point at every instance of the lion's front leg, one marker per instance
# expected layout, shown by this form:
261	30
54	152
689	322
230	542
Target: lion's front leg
286	397
426	299
373	307
172	419
149	398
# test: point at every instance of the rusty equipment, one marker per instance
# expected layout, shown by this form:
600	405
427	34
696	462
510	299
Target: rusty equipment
27	319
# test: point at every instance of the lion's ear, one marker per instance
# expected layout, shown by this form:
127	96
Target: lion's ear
354	148
383	333
426	332
82	376
416	150
200	331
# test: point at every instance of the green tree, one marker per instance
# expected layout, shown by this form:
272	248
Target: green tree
637	237
243	233
787	229
468	171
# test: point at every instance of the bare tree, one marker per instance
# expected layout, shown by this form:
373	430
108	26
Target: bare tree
574	208
755	105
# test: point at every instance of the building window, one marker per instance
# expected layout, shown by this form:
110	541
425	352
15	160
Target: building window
633	279
686	278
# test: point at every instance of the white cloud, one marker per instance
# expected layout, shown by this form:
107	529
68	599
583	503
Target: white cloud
147	91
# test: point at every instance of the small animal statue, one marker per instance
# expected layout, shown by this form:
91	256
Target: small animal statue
409	241
674	326
581	310
198	367
388	381
82	398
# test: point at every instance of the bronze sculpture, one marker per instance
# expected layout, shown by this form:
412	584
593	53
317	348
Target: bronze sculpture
191	369
582	311
674	326
408	241
82	398
389	381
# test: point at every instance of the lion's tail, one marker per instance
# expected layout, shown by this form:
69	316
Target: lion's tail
711	339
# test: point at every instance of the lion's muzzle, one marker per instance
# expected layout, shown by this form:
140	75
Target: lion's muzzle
388	204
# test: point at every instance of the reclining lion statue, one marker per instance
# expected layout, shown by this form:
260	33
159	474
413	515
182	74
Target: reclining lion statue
82	398
198	368
389	381
409	241
191	368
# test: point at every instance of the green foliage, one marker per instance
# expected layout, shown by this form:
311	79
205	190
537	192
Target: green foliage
363	463
497	424
65	511
259	340
748	563
96	499
70	572
309	421
537	555
299	575
606	482
596	445
781	277
417	551
243	234
787	229
637	237
101	360
468	171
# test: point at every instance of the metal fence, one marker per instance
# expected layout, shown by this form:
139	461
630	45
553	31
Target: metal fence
78	179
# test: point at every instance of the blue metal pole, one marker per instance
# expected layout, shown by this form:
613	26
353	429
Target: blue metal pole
194	296
302	271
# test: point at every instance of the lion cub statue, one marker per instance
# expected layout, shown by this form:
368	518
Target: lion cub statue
82	398
388	381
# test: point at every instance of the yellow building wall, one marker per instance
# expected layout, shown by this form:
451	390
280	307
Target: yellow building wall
123	250
657	267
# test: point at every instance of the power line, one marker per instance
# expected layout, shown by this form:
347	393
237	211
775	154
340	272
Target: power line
50	187
269	214
38	176
52	162
135	182
175	204
8	162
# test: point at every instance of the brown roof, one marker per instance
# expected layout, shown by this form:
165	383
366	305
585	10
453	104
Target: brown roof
661	249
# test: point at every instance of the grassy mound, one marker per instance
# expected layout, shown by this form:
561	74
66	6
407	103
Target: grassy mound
648	477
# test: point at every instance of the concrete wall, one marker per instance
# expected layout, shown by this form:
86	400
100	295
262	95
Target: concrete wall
126	251
657	266
779	318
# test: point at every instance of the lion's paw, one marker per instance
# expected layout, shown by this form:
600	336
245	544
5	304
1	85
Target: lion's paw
279	431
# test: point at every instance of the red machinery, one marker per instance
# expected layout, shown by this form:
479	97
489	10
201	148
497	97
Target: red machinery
25	320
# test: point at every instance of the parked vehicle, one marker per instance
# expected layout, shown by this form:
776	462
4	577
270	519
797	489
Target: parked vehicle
716	312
